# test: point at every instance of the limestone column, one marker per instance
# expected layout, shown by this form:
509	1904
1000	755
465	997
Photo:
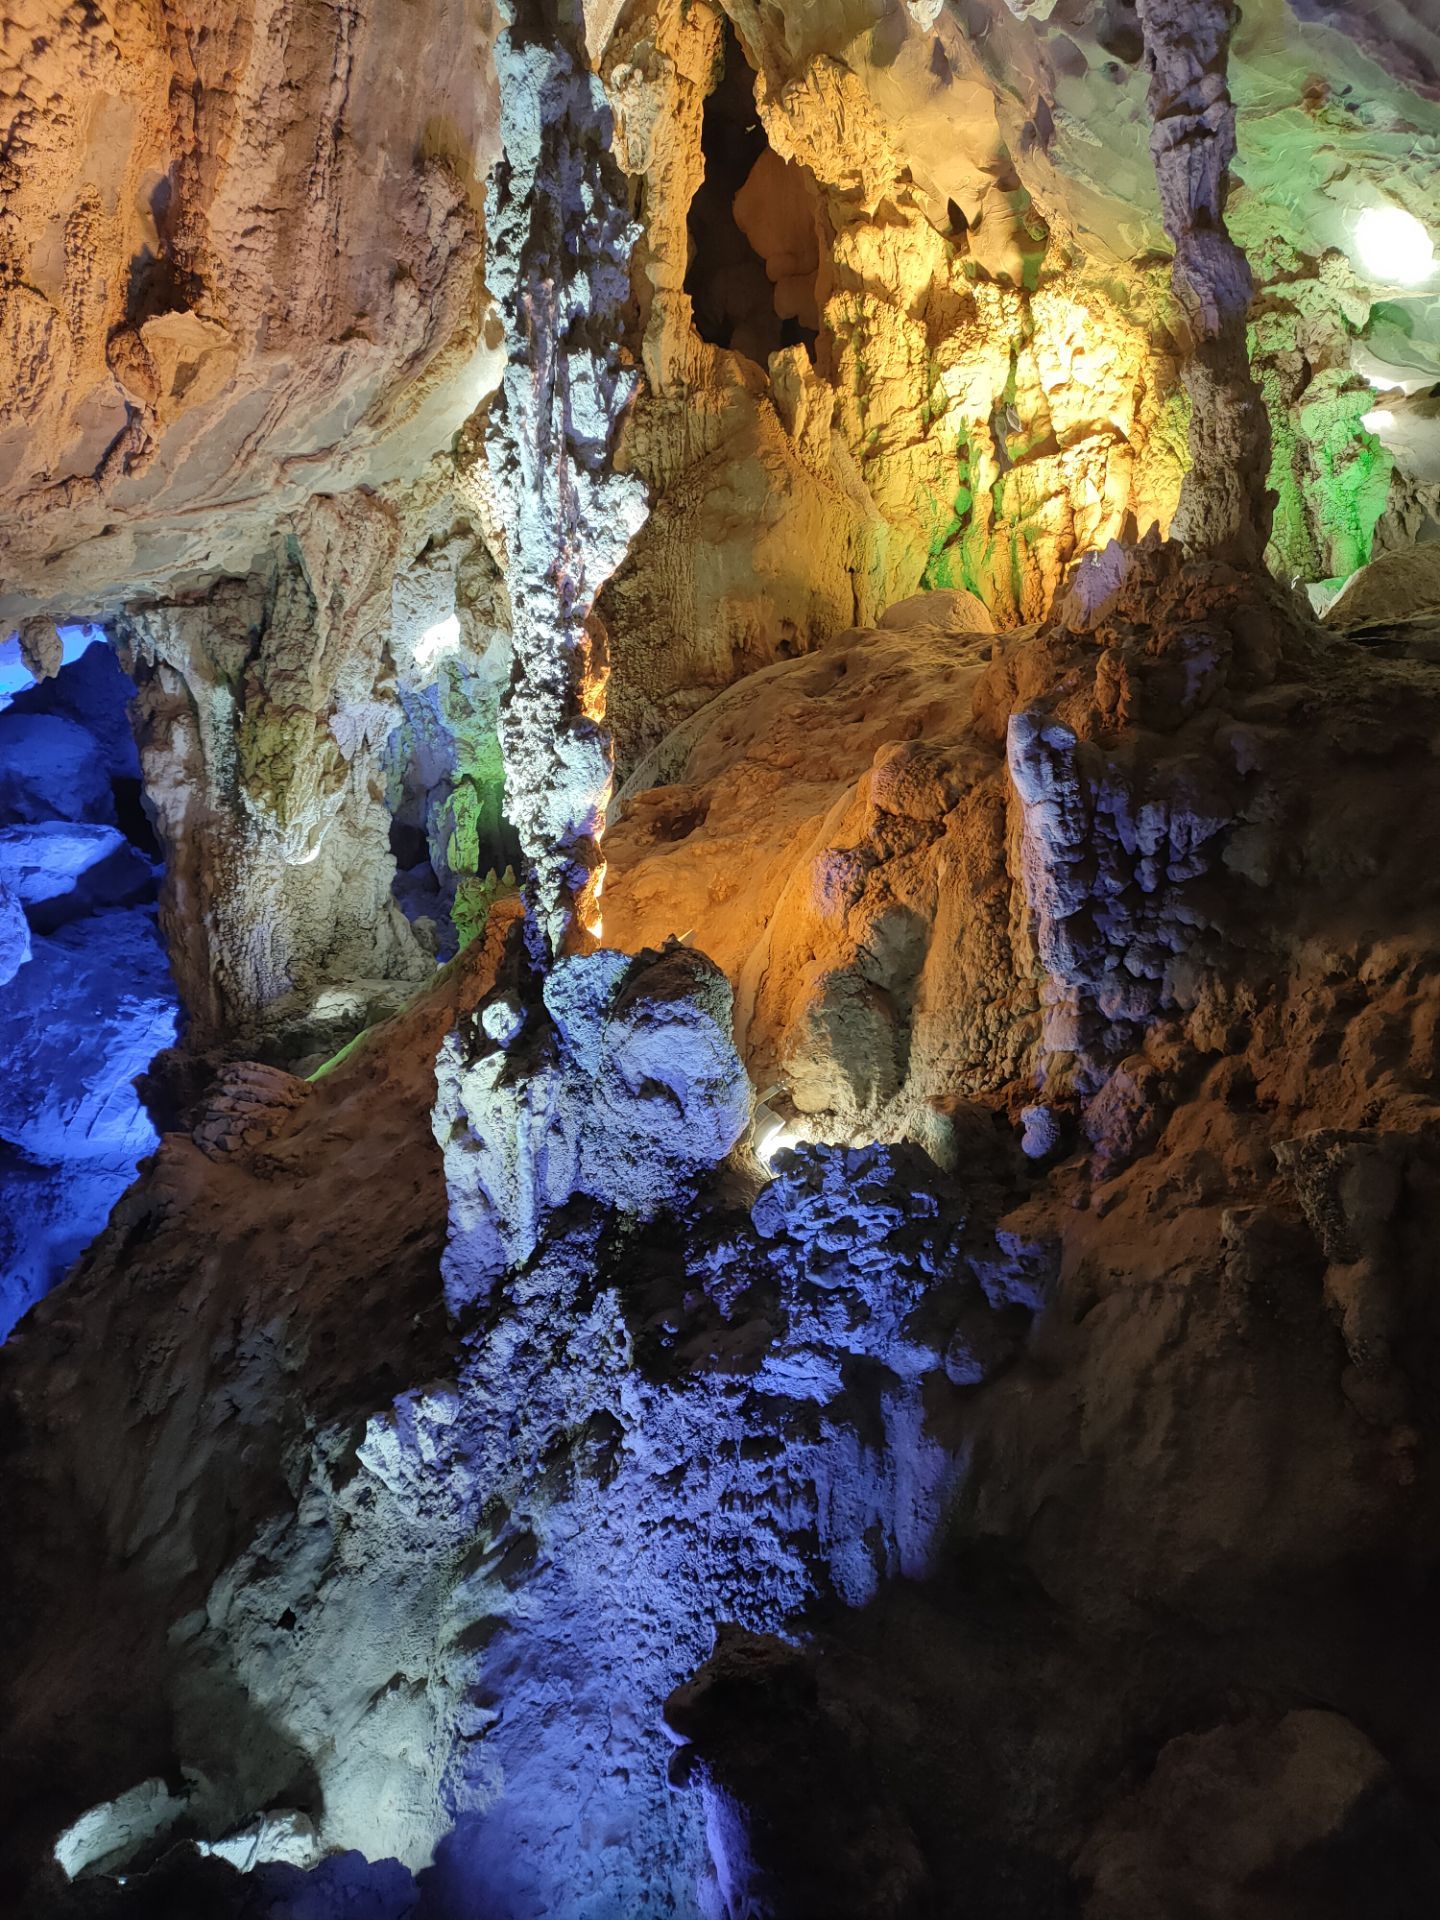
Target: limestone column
560	237
1225	508
262	710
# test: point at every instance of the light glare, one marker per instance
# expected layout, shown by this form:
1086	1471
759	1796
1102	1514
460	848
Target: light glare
443	637
1394	246
778	1137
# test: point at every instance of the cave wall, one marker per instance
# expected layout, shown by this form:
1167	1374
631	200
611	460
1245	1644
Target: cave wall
929	434
197	341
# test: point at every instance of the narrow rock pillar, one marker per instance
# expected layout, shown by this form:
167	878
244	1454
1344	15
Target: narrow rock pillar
1225	508
560	237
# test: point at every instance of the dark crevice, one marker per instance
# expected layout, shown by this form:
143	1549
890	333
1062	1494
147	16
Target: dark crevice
734	300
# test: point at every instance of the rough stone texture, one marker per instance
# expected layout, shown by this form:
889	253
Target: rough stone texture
14	933
248	1104
1396	588
197	342
195	337
261	716
47	858
51	768
1224	506
88	997
1014	1464
340	1214
801	830
560	240
623	1085
78	1022
1142	1417
958	421
1253	1798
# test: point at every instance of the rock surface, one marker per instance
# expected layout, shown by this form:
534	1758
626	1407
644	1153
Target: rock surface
194	340
927	1394
622	1085
1056	1387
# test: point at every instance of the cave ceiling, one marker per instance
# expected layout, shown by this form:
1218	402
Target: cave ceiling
242	248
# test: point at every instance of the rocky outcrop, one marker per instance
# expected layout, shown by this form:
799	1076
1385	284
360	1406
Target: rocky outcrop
623	1085
1057	1384
88	999
930	1387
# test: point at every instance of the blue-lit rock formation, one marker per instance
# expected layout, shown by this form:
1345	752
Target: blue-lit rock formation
94	1002
623	1084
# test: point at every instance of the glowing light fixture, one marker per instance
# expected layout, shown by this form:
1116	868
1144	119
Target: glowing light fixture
778	1136
1394	246
1378	420
443	637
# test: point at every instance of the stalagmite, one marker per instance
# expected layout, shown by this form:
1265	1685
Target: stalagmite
1225	507
560	239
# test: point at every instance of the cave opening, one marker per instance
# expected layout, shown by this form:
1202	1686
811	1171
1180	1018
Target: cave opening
755	257
90	1000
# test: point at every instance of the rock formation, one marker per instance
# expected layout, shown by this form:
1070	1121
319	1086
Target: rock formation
1223	505
892	1370
260	718
559	243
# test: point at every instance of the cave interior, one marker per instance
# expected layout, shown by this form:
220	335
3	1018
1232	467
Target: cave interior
719	960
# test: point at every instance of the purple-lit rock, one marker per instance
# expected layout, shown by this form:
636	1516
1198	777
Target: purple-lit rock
626	1086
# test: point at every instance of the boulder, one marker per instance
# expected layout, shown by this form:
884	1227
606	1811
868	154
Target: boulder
50	769
1396	587
1228	1813
44	859
61	869
624	1085
93	691
949	609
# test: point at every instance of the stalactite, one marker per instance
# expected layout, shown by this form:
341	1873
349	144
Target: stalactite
1225	507
560	239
